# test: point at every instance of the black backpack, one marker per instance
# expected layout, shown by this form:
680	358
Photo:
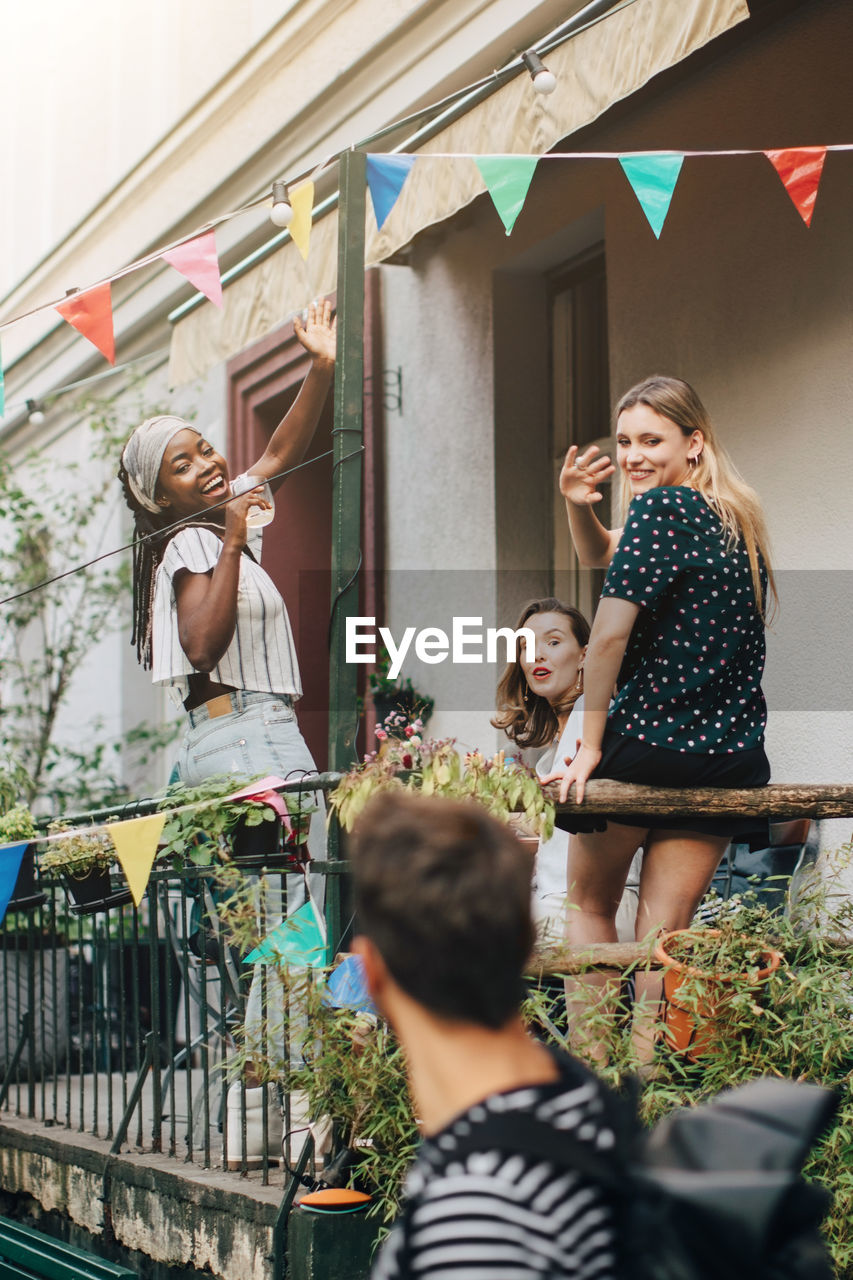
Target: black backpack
712	1192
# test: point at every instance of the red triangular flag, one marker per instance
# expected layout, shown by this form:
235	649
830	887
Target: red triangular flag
198	261
800	169
91	313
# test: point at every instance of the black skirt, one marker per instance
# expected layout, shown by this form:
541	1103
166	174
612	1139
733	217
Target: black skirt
625	759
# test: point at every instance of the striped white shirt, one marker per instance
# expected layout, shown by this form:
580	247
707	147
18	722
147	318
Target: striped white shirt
491	1215
261	656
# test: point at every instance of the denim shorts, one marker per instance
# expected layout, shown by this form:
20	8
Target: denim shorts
261	736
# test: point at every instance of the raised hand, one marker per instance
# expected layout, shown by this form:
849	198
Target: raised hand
577	771
581	476
317	334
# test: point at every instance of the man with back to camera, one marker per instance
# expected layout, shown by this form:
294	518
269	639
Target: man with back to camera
442	898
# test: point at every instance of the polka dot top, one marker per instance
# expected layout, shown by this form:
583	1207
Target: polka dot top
691	675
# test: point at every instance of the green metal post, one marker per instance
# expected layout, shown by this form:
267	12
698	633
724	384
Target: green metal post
346	487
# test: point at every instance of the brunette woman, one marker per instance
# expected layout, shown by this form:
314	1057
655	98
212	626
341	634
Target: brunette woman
680	627
540	704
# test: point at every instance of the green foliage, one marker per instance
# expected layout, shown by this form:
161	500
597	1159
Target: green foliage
77	854
201	823
435	768
54	516
797	1024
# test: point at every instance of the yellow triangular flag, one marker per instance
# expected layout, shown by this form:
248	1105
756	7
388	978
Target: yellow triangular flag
136	847
302	204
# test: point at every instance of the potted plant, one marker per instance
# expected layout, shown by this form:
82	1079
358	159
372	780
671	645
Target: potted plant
704	971
204	827
396	702
505	787
83	859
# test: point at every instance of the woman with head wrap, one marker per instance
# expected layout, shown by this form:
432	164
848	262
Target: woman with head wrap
208	621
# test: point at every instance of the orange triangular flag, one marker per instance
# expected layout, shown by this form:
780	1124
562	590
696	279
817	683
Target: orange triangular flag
198	261
800	169
136	847
91	313
302	204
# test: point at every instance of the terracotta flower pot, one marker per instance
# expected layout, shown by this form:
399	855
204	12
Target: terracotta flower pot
694	1027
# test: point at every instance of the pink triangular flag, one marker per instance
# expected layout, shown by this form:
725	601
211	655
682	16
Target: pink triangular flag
262	791
800	169
91	313
198	261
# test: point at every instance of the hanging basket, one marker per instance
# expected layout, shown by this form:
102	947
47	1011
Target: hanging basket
695	1026
93	892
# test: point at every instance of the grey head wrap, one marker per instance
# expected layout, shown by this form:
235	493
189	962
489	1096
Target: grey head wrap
143	454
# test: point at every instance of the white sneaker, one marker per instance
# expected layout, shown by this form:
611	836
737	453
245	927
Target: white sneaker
254	1148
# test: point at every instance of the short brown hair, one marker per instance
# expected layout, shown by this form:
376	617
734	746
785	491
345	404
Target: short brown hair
443	892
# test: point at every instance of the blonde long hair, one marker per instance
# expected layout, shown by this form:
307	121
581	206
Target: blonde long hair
714	476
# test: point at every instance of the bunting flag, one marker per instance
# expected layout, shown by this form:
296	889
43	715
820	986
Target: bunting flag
302	204
800	169
298	940
262	792
10	865
136	848
653	179
198	261
91	313
347	986
386	176
508	179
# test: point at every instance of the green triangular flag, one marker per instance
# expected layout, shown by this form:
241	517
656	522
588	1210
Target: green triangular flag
653	178
508	179
298	940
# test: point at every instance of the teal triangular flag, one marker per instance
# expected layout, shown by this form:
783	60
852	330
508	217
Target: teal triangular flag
385	178
508	179
653	178
297	941
10	865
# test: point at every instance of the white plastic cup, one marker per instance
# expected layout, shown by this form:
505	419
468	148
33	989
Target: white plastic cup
258	516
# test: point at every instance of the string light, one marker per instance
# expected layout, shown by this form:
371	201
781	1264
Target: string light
281	214
544	81
35	413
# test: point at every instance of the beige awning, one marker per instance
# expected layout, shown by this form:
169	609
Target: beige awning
596	68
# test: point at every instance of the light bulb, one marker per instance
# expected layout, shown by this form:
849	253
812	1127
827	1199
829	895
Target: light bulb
35	415
544	81
281	214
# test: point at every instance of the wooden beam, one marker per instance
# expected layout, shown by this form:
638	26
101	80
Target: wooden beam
779	800
594	955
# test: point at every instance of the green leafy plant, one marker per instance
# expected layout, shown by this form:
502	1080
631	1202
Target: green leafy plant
201	821
434	767
78	853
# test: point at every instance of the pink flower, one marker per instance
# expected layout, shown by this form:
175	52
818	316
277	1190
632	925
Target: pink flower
381	735
410	729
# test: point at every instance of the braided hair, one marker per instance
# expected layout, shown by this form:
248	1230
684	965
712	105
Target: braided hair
154	531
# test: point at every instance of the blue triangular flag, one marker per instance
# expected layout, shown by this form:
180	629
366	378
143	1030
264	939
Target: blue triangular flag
298	940
10	865
385	178
653	178
347	986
